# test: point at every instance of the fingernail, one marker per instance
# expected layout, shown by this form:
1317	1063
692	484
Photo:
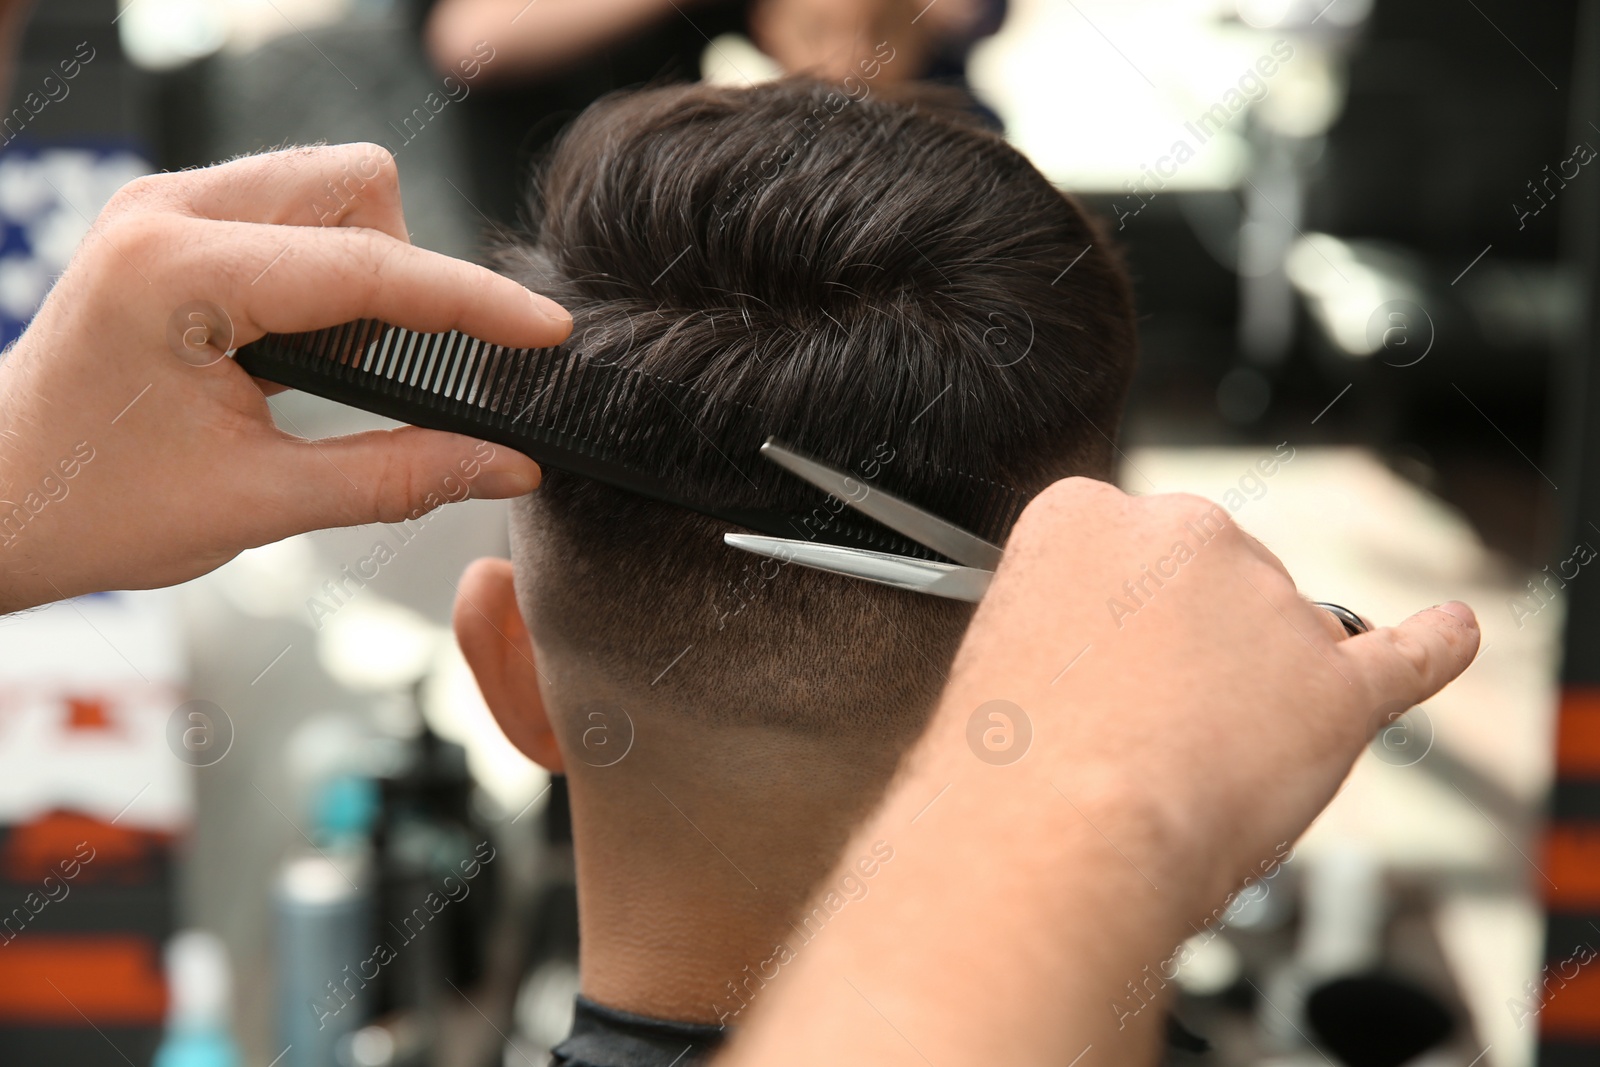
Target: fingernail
1460	611
499	485
550	309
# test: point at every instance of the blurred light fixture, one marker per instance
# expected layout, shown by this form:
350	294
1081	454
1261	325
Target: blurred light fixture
252	23
1211	965
370	1046
163	34
1306	97
1302	14
1097	92
371	644
1344	284
732	59
1266	14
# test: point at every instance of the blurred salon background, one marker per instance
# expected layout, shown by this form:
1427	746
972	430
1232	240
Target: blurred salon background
1364	235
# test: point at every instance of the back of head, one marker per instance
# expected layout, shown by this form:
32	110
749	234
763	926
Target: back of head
897	290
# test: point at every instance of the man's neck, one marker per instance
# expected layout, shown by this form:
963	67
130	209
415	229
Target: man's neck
699	855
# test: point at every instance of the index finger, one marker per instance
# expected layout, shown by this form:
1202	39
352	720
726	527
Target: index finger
325	277
315	185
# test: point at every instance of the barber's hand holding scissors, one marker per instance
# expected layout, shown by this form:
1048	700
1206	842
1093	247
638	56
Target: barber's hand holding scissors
124	365
1153	762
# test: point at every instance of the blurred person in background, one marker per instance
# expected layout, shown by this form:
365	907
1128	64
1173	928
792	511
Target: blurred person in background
553	58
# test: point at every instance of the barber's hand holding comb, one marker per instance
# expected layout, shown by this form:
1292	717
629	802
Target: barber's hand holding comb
133	454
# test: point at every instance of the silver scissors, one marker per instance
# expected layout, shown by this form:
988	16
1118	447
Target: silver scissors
966	579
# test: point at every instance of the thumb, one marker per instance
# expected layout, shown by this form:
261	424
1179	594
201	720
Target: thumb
391	475
1408	663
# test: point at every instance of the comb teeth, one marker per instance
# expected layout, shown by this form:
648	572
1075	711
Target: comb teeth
566	413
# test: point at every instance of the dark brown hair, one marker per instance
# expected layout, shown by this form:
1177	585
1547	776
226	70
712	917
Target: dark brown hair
895	288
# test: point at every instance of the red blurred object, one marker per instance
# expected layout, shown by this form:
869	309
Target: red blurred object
107	979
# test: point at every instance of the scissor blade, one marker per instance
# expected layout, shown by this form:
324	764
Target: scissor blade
885	568
900	516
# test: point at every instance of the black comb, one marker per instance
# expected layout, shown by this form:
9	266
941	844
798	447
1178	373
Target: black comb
619	425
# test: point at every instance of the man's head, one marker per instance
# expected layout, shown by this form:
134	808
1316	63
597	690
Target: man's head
898	291
887	283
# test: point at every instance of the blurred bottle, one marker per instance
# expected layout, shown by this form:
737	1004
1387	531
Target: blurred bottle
432	915
325	912
200	981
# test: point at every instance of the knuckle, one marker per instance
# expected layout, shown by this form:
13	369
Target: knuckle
367	171
1410	650
142	193
130	239
298	157
1070	492
138	231
376	163
1058	501
345	175
1186	504
1198	511
1279	592
371	164
391	499
483	286
377	251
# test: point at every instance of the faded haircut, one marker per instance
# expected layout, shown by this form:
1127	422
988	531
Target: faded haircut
897	290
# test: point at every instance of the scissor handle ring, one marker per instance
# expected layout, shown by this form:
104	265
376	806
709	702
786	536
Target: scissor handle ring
1353	624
